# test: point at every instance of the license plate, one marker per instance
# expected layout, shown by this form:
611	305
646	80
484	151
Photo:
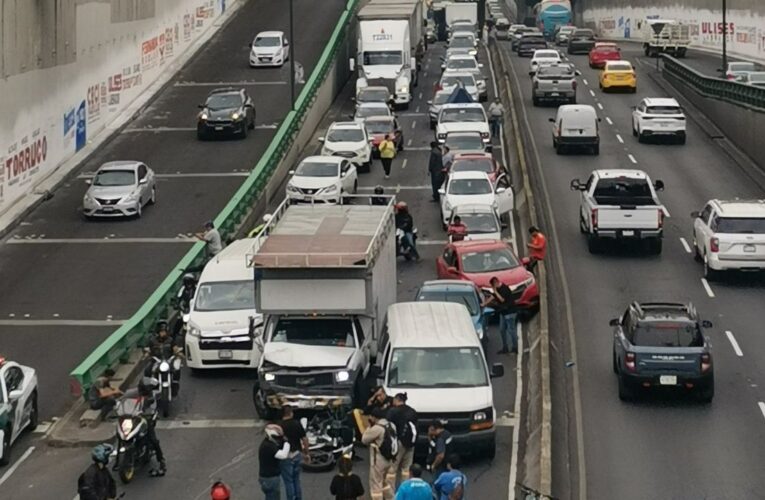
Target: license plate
304	403
668	380
108	209
218	128
628	233
554	94
750	248
225	354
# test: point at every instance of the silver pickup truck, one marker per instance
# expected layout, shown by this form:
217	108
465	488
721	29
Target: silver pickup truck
620	205
554	83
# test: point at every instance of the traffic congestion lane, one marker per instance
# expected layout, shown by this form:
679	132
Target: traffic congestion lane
634	448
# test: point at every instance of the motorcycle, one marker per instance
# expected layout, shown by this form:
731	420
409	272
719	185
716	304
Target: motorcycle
402	245
132	448
330	435
167	370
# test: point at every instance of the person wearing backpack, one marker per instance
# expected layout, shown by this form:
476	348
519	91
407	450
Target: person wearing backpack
382	441
404	418
450	485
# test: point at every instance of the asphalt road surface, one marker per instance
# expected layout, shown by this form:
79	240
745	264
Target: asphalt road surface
59	270
666	446
213	432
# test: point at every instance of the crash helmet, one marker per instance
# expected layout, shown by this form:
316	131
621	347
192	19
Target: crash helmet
162	325
379	189
101	453
274	431
189	279
402	207
147	385
220	491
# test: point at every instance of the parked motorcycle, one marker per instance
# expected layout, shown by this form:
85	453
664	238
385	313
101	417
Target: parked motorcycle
133	451
402	245
330	435
167	369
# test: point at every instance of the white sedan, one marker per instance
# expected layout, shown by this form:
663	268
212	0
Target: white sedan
543	57
18	404
366	109
482	221
472	188
322	179
269	48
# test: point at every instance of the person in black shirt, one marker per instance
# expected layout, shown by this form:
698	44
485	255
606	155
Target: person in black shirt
404	418
503	300
439	444
346	485
436	169
97	483
405	222
378	399
272	451
290	467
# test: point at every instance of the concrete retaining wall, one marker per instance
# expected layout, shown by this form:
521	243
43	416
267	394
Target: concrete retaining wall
625	19
70	67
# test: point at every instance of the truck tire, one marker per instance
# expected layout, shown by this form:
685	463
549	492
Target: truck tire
681	138
625	391
709	273
593	244
707	393
655	245
535	100
596	149
491	450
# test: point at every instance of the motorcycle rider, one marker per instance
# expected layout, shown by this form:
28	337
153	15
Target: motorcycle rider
220	491
145	392
379	199
405	222
187	292
161	342
97	483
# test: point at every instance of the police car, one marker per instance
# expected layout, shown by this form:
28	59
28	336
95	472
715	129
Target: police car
18	404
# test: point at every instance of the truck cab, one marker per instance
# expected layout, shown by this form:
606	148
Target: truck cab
385	58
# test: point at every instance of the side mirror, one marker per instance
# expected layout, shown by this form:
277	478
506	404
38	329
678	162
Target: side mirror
480	65
430	103
286	43
658	185
353	99
88	181
441	191
706	323
633	107
452	269
186	317
291	172
614	322
15	394
497	370
143	181
525	261
321	140
576	185
695	214
600	119
201	106
501	190
551	120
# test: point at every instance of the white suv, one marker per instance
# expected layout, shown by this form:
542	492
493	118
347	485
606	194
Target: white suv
730	235
468	117
658	117
349	140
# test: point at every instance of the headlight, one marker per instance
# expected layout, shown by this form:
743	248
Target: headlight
402	90
361	151
342	376
194	331
236	116
480	416
203	116
130	198
88	198
126	426
269	377
292	189
330	189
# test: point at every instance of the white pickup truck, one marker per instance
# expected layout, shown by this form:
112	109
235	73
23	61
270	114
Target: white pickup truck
620	205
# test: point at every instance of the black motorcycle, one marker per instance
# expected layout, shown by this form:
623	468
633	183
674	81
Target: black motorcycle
133	450
330	435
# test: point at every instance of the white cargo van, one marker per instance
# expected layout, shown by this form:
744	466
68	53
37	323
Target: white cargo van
220	333
576	126
430	351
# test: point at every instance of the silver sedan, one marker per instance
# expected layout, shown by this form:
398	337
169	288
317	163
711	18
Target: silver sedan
120	189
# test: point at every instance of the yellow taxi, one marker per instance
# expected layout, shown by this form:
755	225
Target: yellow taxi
618	75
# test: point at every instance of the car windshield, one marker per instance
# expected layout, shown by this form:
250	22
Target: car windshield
317	169
620	66
461	63
667	334
498	259
364	111
316	332
225	296
437	367
456	115
664	110
555	72
480	223
345	135
466	296
583	34
451	80
224	101
465	142
740	225
114	178
373	58
567	29
546	54
373	95
379	127
742	66
472	165
267	41
461	42
468	187
623	191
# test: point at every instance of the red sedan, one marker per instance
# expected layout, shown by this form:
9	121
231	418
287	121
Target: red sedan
480	260
603	52
480	162
378	127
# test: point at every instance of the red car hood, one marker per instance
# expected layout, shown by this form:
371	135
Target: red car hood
510	277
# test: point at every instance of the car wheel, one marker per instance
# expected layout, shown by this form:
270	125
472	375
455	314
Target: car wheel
201	136
355	186
641	137
681	139
633	90
582	226
432	125
696	254
613	364
401	145
490	451
655	246
153	198
252	123
535	100
707	393
596	149
5	458
34	415
243	132
593	244
138	210
365	167
634	130
625	391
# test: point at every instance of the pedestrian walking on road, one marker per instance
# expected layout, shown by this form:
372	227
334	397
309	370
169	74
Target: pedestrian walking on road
436	169
503	300
451	484
387	153
346	485
537	247
415	488
381	439
272	451
295	435
496	116
211	237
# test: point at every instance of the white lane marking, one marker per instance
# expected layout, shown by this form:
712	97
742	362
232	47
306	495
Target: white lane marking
16	464
632	158
89	175
403	163
405	188
685	245
19	241
419	96
246	423
414	124
666	212
61	322
431	242
707	287
762	407
592	93
409	143
410	114
734	343
584	80
619	138
600	106
609	121
224	84
417	109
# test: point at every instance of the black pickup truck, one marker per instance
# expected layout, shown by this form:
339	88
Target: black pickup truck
659	344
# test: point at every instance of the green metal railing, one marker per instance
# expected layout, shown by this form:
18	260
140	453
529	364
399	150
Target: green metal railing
116	348
715	88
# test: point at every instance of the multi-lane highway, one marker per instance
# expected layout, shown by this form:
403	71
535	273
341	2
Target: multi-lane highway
671	447
212	433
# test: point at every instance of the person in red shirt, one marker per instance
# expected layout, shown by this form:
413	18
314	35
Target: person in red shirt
457	229
537	247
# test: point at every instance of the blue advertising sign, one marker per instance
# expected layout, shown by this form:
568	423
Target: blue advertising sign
82	120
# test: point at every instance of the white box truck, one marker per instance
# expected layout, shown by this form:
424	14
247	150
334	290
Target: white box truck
411	10
667	36
385	56
462	11
325	276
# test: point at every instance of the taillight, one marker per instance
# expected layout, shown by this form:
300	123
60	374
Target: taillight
661	218
706	362
629	361
714	245
594	218
730	77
